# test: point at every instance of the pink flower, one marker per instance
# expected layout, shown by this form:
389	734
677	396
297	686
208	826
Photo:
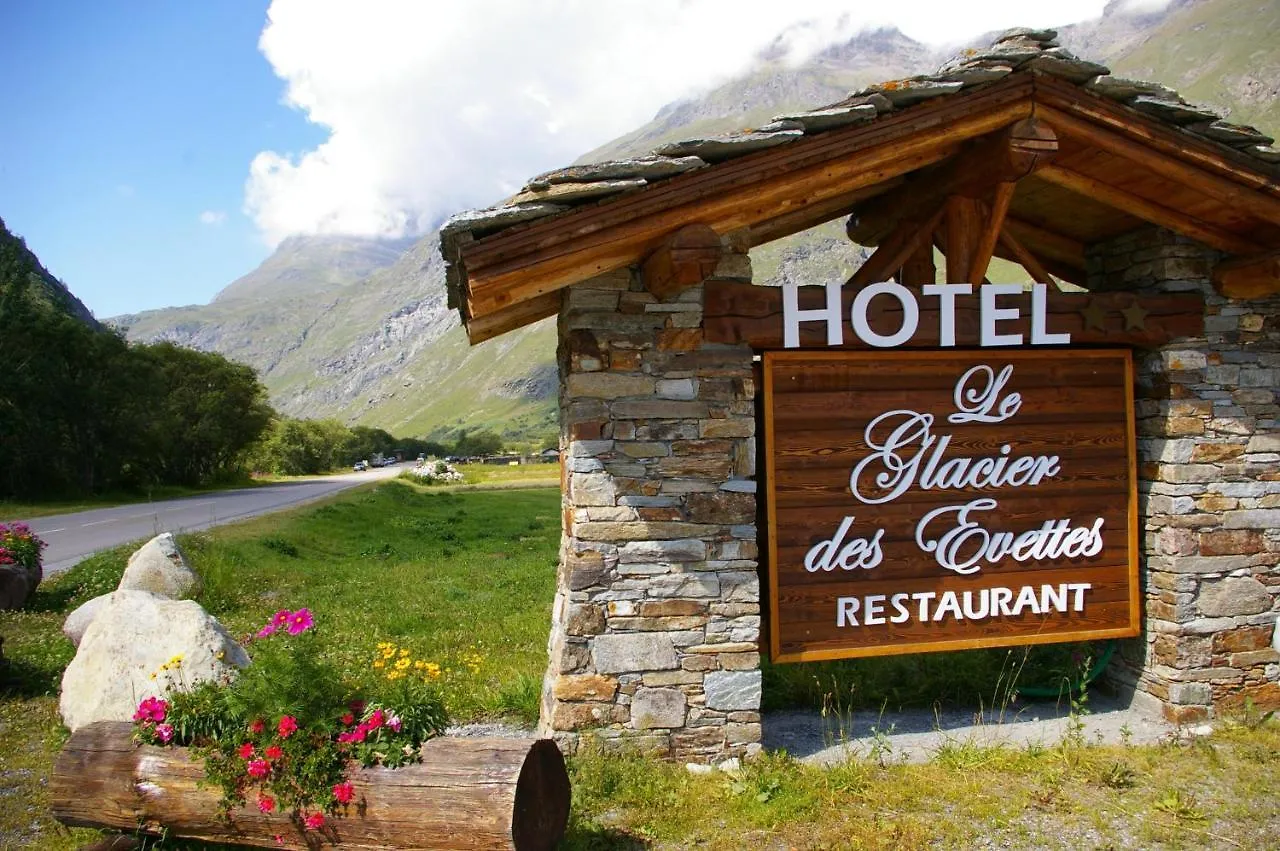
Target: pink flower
315	821
288	724
257	726
246	750
300	621
344	792
273	752
394	722
375	719
164	732
259	768
279	839
266	803
152	709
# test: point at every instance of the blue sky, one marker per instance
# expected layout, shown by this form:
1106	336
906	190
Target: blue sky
126	122
153	152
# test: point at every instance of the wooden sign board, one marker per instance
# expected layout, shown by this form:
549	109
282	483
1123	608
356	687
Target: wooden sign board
922	501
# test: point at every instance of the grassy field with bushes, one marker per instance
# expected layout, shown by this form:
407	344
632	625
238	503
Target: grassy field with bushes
465	577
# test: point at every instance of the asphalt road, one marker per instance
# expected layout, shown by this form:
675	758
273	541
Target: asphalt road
73	537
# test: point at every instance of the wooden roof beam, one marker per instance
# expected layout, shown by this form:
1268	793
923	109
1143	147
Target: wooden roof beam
543	256
687	258
496	324
1256	201
1147	210
1005	156
808	214
1249	277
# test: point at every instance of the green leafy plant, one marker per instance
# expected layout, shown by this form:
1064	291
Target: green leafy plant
281	734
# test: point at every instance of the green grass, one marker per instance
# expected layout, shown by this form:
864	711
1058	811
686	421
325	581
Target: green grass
1211	793
466	577
462	578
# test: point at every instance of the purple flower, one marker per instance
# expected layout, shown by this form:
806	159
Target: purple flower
300	621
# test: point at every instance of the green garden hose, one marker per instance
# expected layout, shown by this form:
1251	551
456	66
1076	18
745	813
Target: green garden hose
1071	687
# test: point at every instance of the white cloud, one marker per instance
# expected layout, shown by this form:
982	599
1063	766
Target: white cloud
436	107
213	217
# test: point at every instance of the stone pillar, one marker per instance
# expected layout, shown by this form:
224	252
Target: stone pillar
656	622
1209	488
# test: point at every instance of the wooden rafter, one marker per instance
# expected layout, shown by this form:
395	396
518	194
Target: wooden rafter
963	223
991	230
894	251
1146	210
919	269
1026	259
807	214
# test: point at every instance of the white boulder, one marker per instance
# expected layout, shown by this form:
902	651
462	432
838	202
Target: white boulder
160	567
140	646
77	622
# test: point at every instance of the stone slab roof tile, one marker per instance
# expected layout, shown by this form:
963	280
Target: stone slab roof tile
568	193
648	168
719	148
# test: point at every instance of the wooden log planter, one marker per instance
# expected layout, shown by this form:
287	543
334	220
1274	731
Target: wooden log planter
467	793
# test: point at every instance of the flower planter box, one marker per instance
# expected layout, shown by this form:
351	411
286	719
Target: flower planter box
466	793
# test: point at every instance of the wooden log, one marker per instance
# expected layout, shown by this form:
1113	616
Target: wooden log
1249	277
685	259
477	793
744	313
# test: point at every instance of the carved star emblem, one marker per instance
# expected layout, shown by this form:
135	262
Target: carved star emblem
1135	318
1095	316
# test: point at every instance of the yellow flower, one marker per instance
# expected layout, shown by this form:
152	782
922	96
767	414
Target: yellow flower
404	651
403	663
378	663
419	665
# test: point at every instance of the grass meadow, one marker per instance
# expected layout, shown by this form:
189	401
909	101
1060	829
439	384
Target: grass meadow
465	576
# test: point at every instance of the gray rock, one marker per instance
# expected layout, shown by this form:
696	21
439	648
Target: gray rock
780	124
1175	111
572	193
496	218
1241	595
1266	153
879	101
17	584
1124	89
1060	62
160	567
679	550
1026	33
631	652
1240	135
733	691
658	707
903	93
131	639
1252	518
1013	52
976	73
828	119
647	168
720	148
77	622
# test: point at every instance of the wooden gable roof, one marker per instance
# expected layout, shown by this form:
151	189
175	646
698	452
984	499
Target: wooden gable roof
1128	154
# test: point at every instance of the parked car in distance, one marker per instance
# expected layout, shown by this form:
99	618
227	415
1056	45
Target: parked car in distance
360	466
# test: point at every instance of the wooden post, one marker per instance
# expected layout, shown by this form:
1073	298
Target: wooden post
685	259
1249	277
963	219
991	230
919	268
481	793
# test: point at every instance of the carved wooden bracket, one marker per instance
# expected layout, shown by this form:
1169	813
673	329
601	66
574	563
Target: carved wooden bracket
685	259
1249	277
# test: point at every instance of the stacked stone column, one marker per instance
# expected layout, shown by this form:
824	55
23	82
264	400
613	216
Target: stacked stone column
656	621
1208	428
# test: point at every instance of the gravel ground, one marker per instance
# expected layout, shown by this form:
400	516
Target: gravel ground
915	735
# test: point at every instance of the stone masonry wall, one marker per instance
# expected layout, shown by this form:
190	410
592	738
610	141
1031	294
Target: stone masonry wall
1208	428
656	622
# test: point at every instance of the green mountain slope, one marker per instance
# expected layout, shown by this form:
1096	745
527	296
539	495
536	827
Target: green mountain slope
18	261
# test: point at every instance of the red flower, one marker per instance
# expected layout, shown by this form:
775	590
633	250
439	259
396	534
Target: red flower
257	726
344	792
266	803
273	752
152	709
288	724
259	768
348	719
375	719
246	750
315	821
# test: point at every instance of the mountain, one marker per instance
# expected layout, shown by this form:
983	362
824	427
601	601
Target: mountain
16	260
339	326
